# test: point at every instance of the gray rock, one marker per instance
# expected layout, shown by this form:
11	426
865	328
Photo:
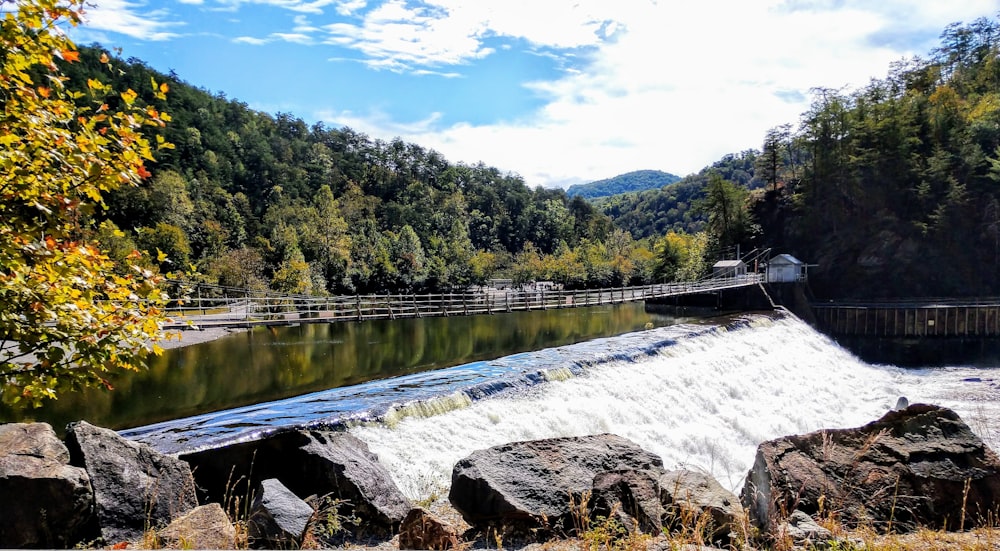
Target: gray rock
135	487
530	485
278	518
630	497
686	495
44	502
326	464
804	531
910	467
204	527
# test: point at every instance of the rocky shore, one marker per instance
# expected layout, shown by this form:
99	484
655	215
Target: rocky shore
916	468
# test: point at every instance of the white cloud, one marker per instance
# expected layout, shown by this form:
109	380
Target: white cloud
397	37
251	40
679	84
128	18
401	36
296	38
348	7
314	7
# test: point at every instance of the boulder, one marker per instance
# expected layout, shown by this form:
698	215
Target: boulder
687	495
135	487
540	483
804	531
204	527
322	463
278	518
919	466
44	502
630	497
422	530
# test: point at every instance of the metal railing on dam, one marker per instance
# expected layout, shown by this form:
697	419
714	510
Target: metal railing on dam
208	305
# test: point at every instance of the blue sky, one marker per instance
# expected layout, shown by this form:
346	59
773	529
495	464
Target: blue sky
559	91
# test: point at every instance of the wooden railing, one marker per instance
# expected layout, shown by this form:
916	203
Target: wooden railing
219	306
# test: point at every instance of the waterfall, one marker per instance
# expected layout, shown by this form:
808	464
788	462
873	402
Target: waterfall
701	396
704	402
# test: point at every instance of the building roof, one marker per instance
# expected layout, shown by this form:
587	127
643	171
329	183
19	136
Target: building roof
728	264
787	259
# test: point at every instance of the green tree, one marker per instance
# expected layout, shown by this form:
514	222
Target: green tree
770	161
669	255
408	259
331	238
725	204
292	275
169	244
67	318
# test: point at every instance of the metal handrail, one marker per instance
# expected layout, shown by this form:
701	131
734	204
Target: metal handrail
264	308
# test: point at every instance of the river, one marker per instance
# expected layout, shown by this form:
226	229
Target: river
273	363
701	395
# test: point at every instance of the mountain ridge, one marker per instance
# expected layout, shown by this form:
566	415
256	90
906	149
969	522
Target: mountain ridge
637	180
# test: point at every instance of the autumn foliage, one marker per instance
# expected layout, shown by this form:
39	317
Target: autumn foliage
68	315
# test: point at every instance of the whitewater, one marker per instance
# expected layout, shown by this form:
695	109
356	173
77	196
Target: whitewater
701	396
704	402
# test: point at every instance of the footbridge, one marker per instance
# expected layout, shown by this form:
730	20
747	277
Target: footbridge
215	306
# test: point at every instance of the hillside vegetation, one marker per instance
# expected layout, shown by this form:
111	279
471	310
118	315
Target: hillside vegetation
676	206
894	189
248	199
639	180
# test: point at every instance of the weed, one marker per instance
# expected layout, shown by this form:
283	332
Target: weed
580	512
497	537
428	501
329	521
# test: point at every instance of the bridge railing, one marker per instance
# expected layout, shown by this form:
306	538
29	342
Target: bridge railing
222	306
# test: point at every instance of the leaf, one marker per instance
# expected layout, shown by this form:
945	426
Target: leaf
62	299
129	96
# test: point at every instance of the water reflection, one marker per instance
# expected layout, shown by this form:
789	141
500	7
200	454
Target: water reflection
273	363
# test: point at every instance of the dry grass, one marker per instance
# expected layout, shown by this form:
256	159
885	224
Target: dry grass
690	532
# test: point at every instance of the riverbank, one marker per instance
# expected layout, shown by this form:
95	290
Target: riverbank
531	495
188	337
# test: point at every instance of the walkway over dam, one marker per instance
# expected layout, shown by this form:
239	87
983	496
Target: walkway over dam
213	306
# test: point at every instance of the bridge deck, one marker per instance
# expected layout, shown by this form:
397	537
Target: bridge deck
241	308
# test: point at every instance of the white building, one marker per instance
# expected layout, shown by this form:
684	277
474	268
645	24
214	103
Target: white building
785	268
729	268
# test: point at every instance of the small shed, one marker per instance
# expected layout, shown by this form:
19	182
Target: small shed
729	268
785	268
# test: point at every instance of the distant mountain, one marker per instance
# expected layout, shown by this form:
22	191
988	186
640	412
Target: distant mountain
640	180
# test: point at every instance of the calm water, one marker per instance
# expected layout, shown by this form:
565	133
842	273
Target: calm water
269	364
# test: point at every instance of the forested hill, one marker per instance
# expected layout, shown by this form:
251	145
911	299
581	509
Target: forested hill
245	198
639	180
674	207
894	189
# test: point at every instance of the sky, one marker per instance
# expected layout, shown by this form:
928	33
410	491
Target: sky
558	91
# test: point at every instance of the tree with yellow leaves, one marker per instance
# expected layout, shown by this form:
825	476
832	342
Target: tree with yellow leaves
67	317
